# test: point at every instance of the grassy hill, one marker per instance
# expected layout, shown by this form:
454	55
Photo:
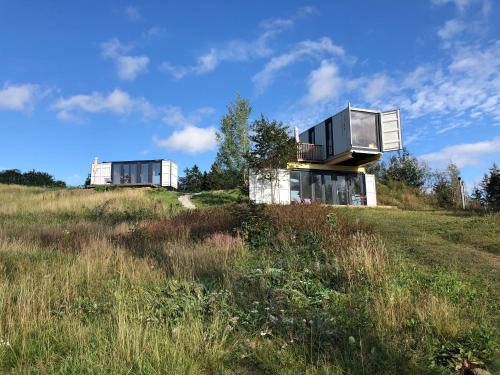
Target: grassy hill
126	281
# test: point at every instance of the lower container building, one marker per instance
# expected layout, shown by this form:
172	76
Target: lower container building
155	173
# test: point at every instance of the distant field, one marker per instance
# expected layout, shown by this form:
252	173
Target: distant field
127	281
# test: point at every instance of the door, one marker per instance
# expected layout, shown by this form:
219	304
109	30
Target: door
391	130
341	190
371	190
328	187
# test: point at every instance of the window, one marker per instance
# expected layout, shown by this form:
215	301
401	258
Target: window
156	173
133	173
125	179
117	173
145	173
311	136
305	182
317	184
364	129
295	186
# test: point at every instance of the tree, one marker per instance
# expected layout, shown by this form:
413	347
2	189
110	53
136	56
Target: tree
272	149
234	142
491	188
447	188
406	168
192	181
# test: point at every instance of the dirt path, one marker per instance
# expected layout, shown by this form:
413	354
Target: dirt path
186	201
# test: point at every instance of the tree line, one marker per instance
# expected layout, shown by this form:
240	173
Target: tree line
30	178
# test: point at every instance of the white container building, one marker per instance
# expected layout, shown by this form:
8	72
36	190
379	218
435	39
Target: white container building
330	160
156	173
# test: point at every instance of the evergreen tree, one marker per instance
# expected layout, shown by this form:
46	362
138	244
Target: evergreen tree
406	168
234	142
491	188
192	181
272	149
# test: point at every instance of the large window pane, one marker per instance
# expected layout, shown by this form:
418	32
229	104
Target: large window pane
156	173
145	173
117	172
133	173
305	181
295	186
318	196
125	174
364	129
328	189
341	189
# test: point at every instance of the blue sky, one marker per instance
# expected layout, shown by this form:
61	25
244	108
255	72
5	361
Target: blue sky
133	80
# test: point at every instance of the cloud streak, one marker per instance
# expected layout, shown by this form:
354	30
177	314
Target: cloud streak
128	66
238	50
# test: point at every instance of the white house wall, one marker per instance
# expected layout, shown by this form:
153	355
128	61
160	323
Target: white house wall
100	174
371	190
260	189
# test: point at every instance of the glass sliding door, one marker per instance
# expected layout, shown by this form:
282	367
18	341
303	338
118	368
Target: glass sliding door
328	188
156	178
295	187
317	187
117	173
305	184
341	190
125	178
145	179
133	173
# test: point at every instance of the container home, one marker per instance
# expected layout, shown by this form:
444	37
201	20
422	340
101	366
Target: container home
330	160
155	173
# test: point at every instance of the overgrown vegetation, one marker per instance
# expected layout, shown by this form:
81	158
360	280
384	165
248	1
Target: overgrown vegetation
125	281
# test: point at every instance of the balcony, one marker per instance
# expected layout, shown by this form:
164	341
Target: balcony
309	152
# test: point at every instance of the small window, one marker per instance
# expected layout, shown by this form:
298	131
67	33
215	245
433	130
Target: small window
312	136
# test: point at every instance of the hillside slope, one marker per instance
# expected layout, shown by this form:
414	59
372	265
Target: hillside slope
127	281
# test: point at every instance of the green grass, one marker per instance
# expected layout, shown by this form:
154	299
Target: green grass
126	281
217	198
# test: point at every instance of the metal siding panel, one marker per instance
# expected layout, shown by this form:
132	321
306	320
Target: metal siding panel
320	137
341	132
391	130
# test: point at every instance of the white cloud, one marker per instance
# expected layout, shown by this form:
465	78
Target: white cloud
238	50
451	28
116	102
191	139
463	154
462	5
132	13
307	48
129	67
173	115
323	83
20	97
